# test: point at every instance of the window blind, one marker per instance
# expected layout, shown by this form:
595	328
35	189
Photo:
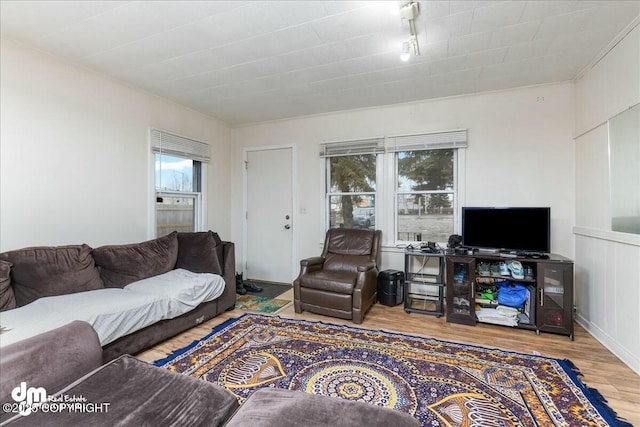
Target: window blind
350	148
424	141
163	142
428	141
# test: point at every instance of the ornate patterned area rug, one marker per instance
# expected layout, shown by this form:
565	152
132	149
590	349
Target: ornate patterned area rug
440	383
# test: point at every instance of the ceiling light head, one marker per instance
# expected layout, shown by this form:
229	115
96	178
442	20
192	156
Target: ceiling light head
405	55
410	10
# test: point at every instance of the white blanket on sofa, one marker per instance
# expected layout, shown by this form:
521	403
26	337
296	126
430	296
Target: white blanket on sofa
185	290
114	312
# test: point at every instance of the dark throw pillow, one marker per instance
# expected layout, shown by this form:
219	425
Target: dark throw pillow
200	252
7	297
120	265
47	271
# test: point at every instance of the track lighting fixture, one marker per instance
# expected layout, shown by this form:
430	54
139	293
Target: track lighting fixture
409	12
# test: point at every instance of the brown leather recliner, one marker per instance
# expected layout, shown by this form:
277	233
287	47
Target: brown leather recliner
342	282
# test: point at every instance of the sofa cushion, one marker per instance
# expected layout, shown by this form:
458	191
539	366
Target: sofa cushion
185	289
341	282
120	265
47	271
273	407
113	313
7	297
200	252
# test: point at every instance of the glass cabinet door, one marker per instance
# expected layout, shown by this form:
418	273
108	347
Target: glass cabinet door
555	299
460	290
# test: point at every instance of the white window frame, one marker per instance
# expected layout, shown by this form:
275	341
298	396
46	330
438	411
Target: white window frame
373	146
386	194
164	142
397	193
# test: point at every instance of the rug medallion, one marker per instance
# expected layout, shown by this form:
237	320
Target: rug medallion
440	383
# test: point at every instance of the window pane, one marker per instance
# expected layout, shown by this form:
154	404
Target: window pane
351	174
425	217
425	170
624	158
352	211
174	213
174	173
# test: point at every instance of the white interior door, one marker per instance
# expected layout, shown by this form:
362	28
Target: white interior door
269	215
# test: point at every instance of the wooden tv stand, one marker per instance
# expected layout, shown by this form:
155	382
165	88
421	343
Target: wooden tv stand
549	307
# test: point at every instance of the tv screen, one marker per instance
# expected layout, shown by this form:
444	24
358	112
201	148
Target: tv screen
518	229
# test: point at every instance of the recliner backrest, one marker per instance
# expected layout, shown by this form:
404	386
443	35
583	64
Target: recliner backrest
346	248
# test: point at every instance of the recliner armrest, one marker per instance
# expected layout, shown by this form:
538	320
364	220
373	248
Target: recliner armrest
367	266
312	261
308	265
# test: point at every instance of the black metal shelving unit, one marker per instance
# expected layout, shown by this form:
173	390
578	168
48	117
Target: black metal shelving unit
424	287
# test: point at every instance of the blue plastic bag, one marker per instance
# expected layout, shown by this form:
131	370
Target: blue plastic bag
512	295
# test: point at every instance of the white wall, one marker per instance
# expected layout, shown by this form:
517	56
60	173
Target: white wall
607	280
74	154
520	154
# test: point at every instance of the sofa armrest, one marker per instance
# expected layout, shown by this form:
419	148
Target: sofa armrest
229	262
51	360
227	300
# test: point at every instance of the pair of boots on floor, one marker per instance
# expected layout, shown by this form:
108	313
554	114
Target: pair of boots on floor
243	287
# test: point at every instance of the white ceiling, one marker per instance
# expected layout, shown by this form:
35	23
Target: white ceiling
246	62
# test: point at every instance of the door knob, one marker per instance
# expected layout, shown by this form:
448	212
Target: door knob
287	226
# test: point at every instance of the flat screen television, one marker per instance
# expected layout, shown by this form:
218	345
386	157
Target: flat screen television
526	229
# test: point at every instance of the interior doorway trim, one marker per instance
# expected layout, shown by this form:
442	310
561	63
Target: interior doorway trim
294	203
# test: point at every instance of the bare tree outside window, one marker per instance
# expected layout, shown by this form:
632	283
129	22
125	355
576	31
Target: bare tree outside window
174	173
177	193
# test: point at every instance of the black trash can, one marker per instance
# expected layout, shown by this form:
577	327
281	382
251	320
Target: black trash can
390	287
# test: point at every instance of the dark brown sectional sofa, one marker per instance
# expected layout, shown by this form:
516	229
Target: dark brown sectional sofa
66	364
104	386
31	273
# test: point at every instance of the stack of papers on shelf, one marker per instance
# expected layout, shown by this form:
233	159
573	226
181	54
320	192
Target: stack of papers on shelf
486	301
425	289
492	315
426	279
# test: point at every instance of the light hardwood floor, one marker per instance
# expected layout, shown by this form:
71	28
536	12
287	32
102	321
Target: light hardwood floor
600	368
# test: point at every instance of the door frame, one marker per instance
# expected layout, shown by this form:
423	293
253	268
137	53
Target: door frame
294	203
